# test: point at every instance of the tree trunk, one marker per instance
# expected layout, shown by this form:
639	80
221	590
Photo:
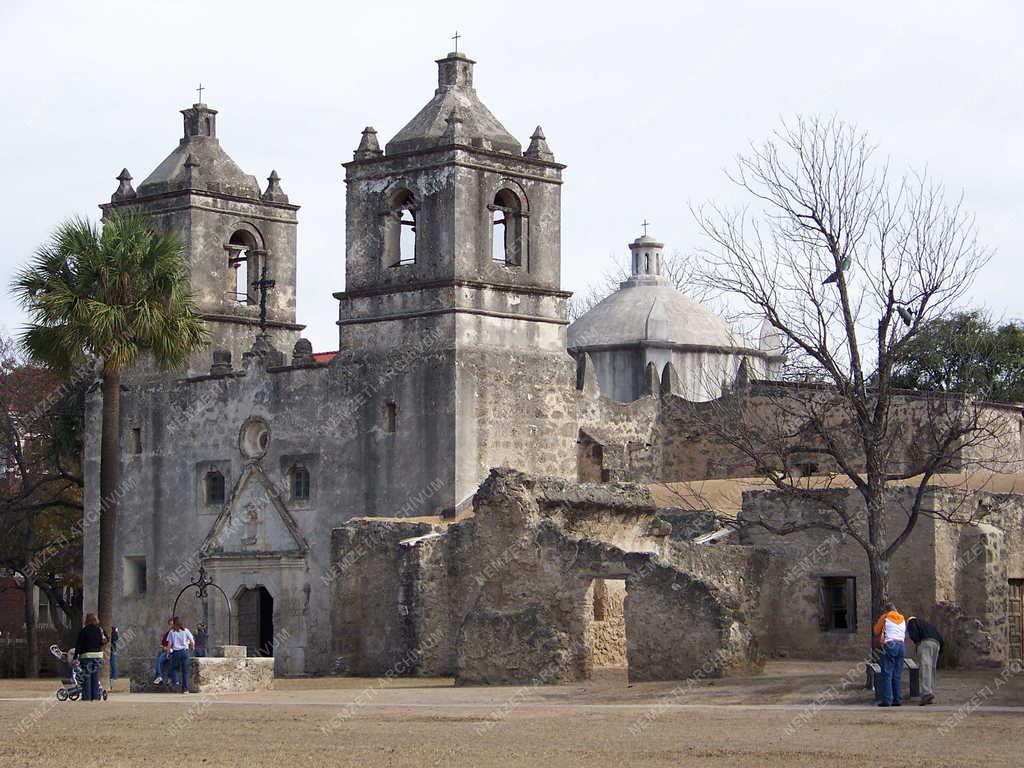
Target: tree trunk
878	568
31	630
110	480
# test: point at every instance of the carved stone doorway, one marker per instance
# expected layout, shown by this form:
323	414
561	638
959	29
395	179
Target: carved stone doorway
256	621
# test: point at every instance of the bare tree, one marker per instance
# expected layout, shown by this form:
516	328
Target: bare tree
847	262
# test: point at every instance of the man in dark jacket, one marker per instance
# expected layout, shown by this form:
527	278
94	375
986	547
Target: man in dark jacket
929	645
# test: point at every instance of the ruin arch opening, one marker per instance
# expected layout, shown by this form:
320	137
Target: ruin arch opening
604	628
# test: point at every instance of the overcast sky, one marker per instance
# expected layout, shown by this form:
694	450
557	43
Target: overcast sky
645	102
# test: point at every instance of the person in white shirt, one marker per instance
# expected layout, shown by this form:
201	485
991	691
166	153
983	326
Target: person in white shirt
180	642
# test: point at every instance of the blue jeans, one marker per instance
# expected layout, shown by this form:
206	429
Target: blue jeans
113	664
179	663
892	672
163	661
91	679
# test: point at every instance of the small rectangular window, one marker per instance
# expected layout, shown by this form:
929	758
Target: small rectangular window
43	610
837	603
137	440
135	576
391	417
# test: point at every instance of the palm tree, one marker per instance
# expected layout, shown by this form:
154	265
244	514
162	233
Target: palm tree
106	298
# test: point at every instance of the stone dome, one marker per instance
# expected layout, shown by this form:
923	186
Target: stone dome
647	309
648	322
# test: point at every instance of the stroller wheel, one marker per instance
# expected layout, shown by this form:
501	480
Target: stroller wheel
73	695
104	694
62	694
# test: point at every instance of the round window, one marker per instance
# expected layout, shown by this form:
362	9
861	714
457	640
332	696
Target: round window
254	438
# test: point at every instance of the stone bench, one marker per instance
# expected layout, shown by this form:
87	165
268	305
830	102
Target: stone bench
228	671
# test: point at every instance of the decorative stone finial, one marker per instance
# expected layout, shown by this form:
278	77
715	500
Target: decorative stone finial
221	362
302	353
263	351
538	148
274	193
369	147
124	190
454	133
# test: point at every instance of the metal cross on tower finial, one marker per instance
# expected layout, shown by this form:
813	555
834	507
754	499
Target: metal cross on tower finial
263	285
200	89
645	223
456	37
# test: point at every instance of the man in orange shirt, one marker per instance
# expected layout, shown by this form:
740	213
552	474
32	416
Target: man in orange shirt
890	633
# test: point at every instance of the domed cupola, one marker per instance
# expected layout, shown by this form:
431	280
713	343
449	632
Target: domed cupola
647	320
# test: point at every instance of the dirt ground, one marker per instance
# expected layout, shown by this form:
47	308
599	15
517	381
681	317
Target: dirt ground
795	714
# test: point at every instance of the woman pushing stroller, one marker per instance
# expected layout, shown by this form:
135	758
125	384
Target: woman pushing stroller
89	650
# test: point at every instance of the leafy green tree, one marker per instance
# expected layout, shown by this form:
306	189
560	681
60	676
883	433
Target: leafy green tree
966	352
106	298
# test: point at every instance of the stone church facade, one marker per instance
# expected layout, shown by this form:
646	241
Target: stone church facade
331	496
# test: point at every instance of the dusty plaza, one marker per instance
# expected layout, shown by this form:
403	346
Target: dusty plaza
755	501
792	715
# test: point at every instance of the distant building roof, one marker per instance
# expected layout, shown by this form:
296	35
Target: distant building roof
324	357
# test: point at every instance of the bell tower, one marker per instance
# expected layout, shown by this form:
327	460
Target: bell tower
453	268
231	230
453	221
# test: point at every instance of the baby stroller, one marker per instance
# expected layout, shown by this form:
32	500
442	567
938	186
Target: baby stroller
71	687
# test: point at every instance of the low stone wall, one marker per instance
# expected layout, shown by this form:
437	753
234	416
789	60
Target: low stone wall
231	671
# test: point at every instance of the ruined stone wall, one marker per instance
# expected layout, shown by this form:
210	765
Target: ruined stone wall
951	574
371	628
506	595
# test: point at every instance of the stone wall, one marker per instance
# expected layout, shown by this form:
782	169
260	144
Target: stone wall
951	574
505	596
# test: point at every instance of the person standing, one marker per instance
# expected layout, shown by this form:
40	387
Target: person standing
89	650
929	645
114	637
202	637
180	642
890	633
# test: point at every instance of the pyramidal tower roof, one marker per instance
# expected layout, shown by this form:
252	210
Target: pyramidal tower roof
455	107
199	162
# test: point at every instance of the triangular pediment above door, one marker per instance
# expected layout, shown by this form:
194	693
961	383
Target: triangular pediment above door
255	521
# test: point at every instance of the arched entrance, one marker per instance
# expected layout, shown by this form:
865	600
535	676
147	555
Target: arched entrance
256	621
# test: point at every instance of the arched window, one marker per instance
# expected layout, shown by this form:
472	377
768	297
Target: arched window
400	230
299	476
244	259
214	483
508	229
